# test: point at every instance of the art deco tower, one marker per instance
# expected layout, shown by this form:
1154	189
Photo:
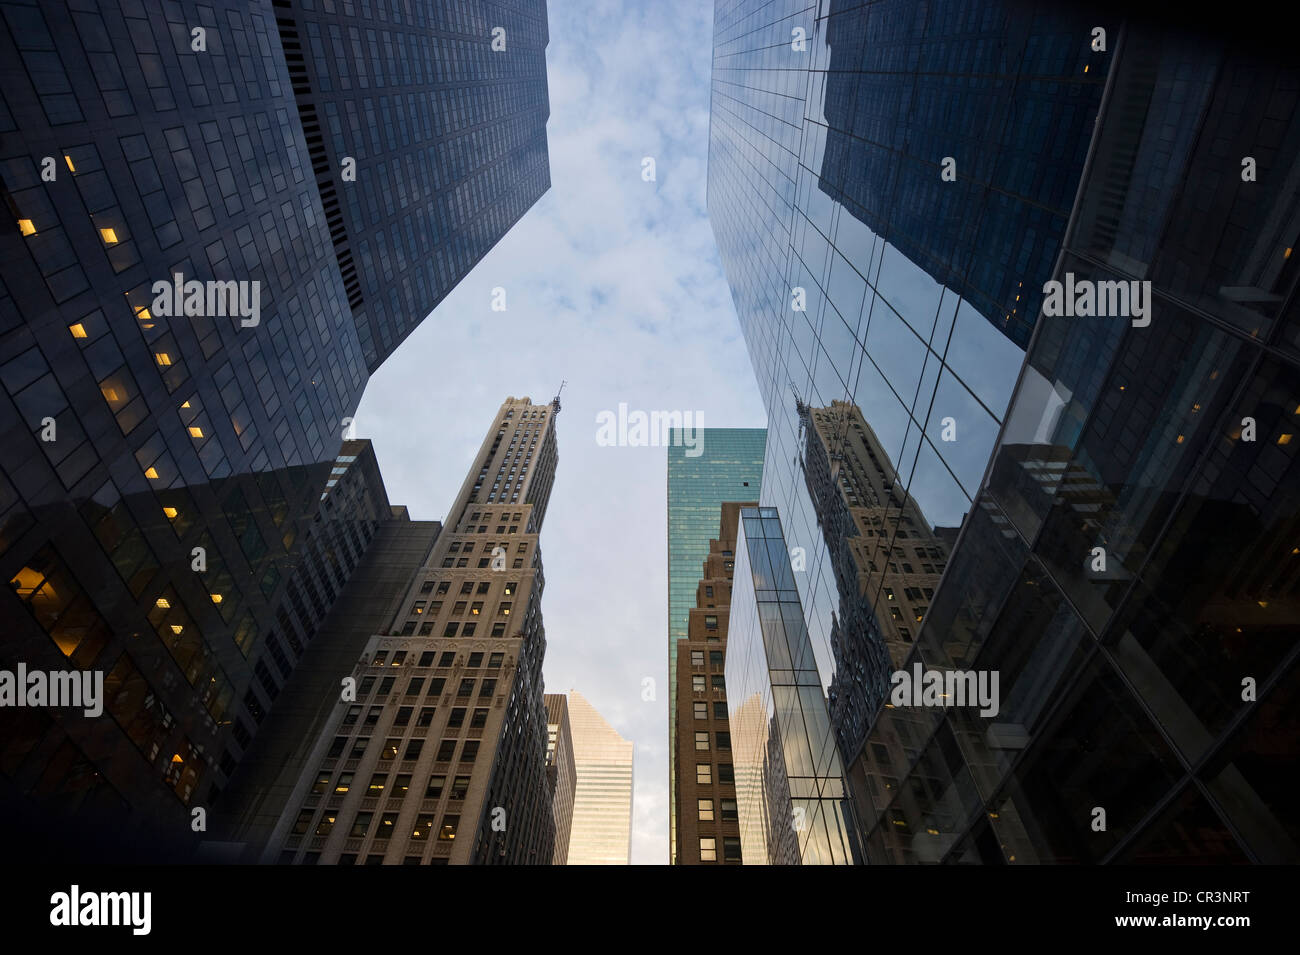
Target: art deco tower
439	756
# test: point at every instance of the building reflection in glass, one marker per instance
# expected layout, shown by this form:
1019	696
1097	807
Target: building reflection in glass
790	789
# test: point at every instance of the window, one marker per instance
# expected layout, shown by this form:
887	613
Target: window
413	749
390	748
434	789
726	773
386	685
416	685
697	683
702	740
447	659
724	740
466	687
731	849
401	784
708	849
715	658
372	715
496	659
359	747
729	813
436	685
703	774
706	809
377	783
446	749
498	629
423	826
470	751
361	825
708	591
352	715
711	621
479	719
451	630
326	825
322	783
719	711
459	787
697	658
387	822
457	718
302	822
487	687
448	830
344	783
475	660
426	716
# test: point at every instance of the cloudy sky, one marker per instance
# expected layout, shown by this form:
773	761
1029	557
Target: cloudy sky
615	285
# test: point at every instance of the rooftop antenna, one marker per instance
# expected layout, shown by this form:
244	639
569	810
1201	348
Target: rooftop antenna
555	402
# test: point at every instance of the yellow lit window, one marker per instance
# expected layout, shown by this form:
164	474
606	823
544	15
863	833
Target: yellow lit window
163	358
162	603
26	226
109	236
151	474
216	598
177	628
1284	439
78	330
196	431
170	512
68	159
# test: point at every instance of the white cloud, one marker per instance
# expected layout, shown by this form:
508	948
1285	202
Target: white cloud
615	285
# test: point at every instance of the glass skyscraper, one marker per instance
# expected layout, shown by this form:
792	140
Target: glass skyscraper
1131	565
148	143
726	466
1122	558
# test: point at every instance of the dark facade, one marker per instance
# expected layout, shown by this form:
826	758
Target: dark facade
447	134
133	436
1153	685
708	822
440	755
1008	89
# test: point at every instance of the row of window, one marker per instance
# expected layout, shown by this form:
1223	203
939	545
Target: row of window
715	658
726	811
414	747
723	740
426	659
718	680
709	849
361	823
702	710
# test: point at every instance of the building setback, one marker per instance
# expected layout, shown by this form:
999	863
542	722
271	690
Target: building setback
708	828
561	771
727	466
602	801
133	436
441	756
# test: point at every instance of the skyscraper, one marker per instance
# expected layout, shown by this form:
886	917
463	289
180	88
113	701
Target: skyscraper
438	112
602	801
1129	568
793	800
561	772
727	466
439	756
707	828
147	146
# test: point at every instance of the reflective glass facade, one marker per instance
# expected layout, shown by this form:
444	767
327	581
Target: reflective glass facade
790	789
728	467
884	307
1153	684
447	133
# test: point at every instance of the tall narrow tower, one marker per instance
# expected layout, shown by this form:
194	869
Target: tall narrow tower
438	756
